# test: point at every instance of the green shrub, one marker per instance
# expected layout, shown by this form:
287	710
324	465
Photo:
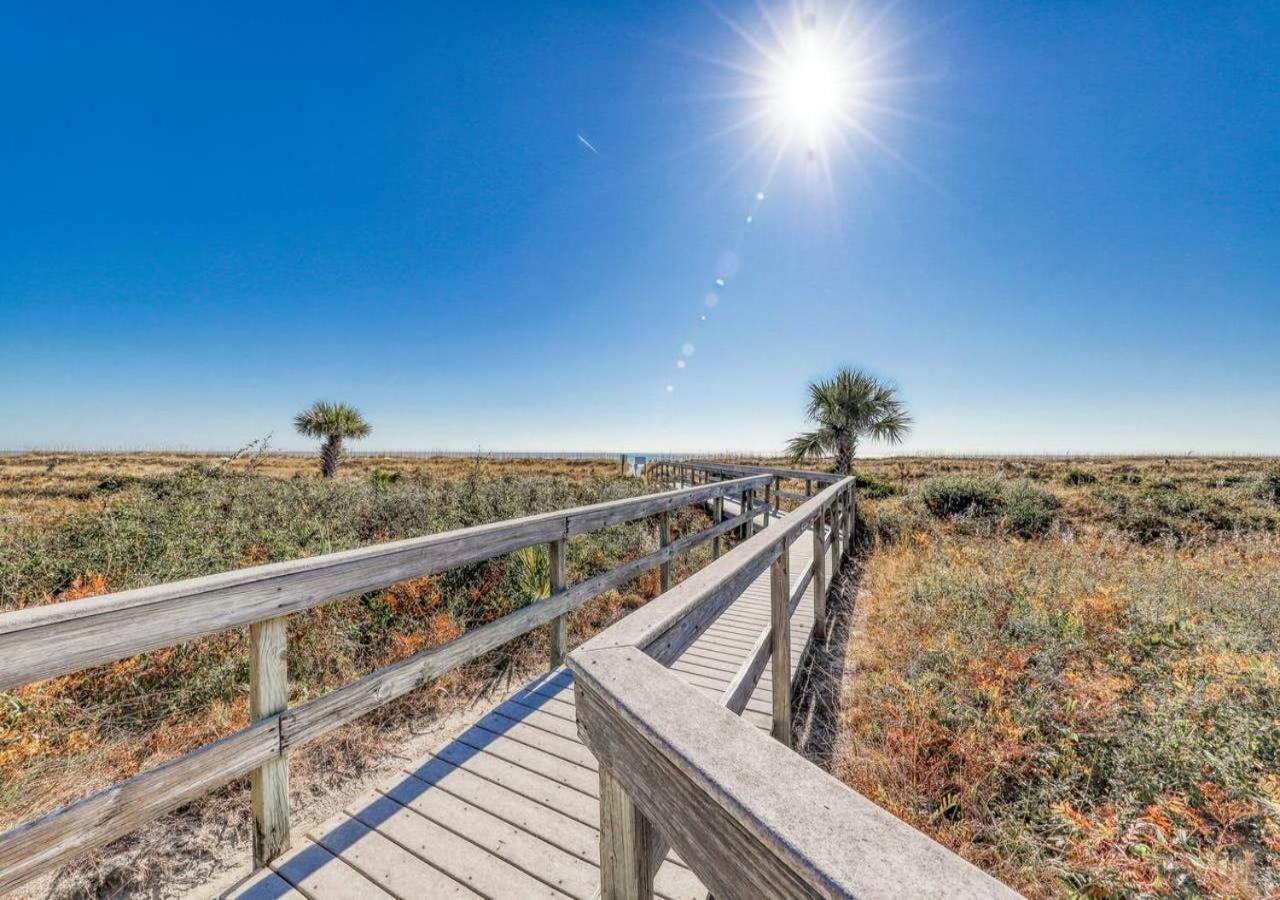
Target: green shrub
1269	487
1077	477
532	572
384	477
961	495
113	483
872	488
1028	511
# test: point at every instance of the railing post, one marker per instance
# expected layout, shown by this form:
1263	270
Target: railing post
750	508
833	513
808	487
780	600
664	538
819	579
627	841
719	517
557	552
767	485
853	514
777	501
742	508
268	695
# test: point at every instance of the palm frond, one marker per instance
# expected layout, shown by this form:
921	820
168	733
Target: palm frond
852	404
331	420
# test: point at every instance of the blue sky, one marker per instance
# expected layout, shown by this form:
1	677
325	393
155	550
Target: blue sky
1064	237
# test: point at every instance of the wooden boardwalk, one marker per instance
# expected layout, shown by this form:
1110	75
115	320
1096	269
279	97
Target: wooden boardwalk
510	808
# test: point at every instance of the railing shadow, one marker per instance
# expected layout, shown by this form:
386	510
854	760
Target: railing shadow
330	845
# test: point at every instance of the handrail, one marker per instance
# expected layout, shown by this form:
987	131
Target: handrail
742	469
60	638
748	815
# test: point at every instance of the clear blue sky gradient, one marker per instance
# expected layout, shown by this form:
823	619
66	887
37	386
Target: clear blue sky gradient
214	215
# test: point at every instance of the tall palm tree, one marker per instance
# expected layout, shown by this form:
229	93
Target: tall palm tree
850	406
335	422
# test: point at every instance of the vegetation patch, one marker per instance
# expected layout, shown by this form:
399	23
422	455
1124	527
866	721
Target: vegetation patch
66	737
1090	710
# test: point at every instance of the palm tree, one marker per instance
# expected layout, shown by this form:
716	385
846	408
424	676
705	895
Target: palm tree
847	407
335	422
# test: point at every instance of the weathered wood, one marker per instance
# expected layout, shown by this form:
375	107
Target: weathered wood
853	515
739	470
833	524
627	841
664	627
746	676
269	696
719	516
40	845
559	636
749	816
780	603
306	722
59	638
664	538
819	577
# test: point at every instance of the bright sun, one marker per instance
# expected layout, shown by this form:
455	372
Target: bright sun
814	85
808	91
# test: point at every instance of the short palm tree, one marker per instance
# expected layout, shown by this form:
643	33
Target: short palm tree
850	406
335	422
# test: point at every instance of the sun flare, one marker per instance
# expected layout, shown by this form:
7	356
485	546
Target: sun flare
814	85
808	90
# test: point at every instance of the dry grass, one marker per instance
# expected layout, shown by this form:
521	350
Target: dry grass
42	486
109	523
1089	706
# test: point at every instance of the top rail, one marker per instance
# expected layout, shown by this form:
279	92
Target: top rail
747	814
60	638
740	470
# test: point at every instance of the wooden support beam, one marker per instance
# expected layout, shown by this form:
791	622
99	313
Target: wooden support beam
819	579
719	517
853	515
833	514
559	638
268	696
626	842
780	619
664	538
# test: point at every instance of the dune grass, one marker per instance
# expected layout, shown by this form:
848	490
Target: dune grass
140	524
1086	707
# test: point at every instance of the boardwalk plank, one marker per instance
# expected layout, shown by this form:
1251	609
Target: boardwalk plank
385	862
510	807
318	873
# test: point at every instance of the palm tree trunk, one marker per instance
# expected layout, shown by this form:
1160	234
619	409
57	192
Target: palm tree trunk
844	457
330	455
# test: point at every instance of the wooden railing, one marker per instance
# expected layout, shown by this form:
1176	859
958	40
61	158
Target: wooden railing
58	639
747	814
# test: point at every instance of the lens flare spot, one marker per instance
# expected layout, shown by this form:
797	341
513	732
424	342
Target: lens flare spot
679	363
687	349
712	299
